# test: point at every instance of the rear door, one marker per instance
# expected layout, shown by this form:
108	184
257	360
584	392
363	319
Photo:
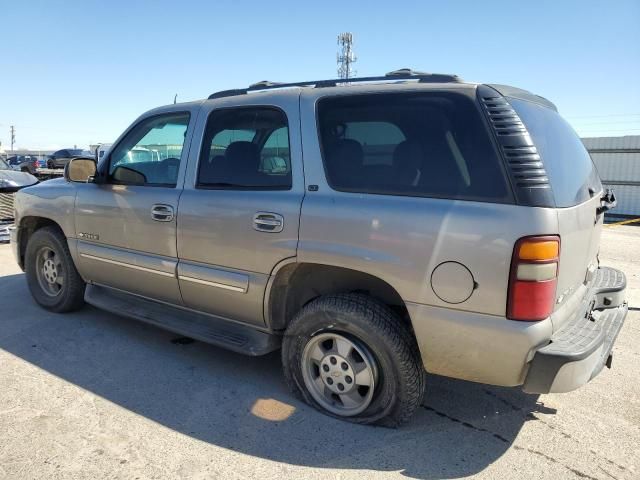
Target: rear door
126	227
239	213
576	189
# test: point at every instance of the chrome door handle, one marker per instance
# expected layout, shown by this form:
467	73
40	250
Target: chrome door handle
268	222
161	212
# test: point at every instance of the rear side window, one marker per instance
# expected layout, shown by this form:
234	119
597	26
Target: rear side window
246	148
431	144
568	164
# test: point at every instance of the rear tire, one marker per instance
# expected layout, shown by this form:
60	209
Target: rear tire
52	277
353	358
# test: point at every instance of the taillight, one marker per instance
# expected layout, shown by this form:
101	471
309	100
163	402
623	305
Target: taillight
533	278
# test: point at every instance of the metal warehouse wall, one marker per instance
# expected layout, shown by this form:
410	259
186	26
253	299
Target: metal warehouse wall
618	162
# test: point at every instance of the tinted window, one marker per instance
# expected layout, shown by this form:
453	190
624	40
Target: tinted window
419	144
274	156
378	140
75	153
246	148
150	153
568	164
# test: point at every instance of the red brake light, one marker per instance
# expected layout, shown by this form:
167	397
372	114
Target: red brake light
533	278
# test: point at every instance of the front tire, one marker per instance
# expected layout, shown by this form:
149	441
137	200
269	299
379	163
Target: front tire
52	277
353	358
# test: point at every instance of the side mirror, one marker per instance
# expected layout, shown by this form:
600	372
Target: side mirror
80	170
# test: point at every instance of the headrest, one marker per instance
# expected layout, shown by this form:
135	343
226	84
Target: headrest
408	155
243	155
348	152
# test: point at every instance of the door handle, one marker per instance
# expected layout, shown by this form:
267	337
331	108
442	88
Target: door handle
161	212
268	222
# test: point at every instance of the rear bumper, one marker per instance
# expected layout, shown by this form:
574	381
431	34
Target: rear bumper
579	351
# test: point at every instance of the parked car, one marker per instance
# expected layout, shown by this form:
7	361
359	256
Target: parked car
10	182
419	223
60	158
24	163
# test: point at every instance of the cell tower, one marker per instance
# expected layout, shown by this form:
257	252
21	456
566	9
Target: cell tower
346	57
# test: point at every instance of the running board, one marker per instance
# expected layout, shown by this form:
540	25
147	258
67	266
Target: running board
206	328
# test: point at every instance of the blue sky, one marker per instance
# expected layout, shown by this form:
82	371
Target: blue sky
79	72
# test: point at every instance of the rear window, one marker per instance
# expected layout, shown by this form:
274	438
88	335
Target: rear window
569	167
431	144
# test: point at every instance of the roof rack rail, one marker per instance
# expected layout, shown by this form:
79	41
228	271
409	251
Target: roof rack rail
401	74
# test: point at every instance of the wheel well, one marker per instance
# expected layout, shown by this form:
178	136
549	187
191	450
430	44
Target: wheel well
28	226
297	284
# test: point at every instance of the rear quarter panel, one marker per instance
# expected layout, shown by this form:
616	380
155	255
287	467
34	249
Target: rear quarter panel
402	240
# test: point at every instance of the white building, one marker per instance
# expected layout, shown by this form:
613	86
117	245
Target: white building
618	162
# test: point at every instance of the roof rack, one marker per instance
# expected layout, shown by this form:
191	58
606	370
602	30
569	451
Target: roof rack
402	74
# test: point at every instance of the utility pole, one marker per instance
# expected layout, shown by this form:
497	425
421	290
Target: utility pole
346	56
12	129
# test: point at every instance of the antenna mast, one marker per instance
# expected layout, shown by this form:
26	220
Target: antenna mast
346	56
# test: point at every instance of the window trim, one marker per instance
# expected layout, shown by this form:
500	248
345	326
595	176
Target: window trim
508	198
107	158
250	188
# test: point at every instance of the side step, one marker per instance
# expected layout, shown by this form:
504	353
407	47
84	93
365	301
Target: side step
609	287
206	328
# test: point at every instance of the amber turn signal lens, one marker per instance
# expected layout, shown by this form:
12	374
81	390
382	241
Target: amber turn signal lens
544	250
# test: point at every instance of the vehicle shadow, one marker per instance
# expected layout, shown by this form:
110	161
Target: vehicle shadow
241	403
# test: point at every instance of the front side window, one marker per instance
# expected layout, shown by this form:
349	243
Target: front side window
431	144
150	154
246	148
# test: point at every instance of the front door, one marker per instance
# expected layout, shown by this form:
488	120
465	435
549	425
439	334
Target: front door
126	227
239	214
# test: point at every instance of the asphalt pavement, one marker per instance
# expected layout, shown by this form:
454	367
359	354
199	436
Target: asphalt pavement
94	395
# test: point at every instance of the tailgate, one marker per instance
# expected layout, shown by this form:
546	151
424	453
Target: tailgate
580	230
577	194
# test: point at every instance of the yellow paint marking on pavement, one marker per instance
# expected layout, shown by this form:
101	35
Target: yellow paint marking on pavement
624	222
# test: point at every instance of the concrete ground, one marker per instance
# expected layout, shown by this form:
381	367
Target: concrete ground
93	395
